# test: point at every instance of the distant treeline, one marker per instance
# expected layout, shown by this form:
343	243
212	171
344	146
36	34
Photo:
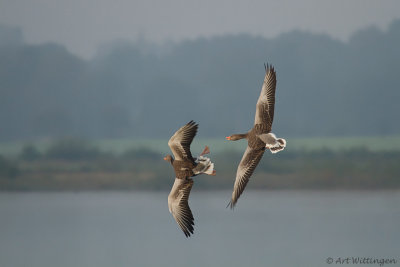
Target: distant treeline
75	164
325	86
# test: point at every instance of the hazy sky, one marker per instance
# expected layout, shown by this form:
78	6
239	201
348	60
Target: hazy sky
82	25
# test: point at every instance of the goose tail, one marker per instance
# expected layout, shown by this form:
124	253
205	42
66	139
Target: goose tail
204	165
280	145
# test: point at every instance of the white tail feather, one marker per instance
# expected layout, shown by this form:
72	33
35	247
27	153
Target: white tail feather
279	145
282	142
276	149
205	166
210	170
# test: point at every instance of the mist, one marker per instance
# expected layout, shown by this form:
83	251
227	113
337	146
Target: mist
326	87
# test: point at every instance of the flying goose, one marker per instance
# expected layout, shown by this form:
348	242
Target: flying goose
259	137
185	166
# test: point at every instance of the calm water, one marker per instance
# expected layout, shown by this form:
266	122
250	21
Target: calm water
135	229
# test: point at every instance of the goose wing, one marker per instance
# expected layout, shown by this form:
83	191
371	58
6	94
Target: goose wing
178	205
181	140
247	165
266	100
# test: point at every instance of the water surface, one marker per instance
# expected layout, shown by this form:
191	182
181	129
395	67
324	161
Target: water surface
268	228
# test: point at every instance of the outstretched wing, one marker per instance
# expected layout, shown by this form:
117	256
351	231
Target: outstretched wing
247	165
266	100
181	140
178	205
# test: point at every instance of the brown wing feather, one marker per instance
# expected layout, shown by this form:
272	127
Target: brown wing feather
178	202
181	140
266	100
247	165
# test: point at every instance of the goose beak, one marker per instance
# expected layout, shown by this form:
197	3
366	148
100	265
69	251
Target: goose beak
228	138
165	158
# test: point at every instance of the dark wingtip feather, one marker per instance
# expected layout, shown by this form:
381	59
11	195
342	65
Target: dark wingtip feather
188	232
231	205
268	67
192	122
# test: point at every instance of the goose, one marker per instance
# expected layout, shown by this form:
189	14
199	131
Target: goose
259	138
185	167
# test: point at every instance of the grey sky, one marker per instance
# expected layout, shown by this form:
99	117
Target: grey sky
82	25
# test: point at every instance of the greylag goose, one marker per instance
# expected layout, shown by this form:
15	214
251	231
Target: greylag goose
259	137
185	166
